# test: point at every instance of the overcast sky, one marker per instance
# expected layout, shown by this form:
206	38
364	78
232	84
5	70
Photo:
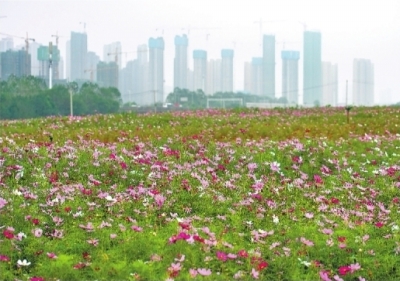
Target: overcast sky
350	29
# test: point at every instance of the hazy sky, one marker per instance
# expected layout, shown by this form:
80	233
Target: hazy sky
350	29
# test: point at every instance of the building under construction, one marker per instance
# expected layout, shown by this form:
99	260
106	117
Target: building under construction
16	63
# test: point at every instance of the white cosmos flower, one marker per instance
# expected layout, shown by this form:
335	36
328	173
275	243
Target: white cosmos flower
23	263
275	219
109	198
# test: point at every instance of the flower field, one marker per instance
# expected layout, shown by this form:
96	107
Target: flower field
283	194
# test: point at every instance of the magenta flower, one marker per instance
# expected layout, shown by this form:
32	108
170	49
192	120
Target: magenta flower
204	271
8	234
379	224
222	256
4	258
35	278
343	270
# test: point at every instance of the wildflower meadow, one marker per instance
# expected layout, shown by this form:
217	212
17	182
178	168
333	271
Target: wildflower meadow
242	194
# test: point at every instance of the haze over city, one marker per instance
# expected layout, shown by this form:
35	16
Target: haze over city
349	30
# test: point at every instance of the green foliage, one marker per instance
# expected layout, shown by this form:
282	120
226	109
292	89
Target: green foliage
28	97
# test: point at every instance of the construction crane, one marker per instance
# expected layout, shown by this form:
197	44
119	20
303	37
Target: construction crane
91	70
304	25
84	26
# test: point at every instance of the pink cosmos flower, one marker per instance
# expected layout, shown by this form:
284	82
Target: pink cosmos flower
3	202
255	273
137	228
193	272
113	235
52	256
37	232
324	275
309	215
204	271
354	267
327	231
379	224
306	242
337	278
94	242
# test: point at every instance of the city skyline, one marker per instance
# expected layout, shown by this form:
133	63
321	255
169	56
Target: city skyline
349	30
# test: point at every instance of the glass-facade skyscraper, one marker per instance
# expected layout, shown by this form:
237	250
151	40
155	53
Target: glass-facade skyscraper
181	62
199	70
156	71
227	70
268	80
363	82
290	76
78	52
312	72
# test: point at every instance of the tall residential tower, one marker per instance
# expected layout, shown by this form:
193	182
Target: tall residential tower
290	76
227	70
78	52
268	80
156	71
312	74
363	82
181	62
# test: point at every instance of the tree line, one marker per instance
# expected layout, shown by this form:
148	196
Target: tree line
29	97
198	99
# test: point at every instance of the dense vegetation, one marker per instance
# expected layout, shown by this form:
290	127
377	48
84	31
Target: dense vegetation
288	194
29	97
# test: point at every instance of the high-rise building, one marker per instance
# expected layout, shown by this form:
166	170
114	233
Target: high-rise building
290	76
156	71
6	44
78	54
247	77
329	84
16	63
68	60
42	55
214	78
268	66
363	82
113	53
92	59
312	74
257	76
139	84
181	62
199	70
107	74
227	70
